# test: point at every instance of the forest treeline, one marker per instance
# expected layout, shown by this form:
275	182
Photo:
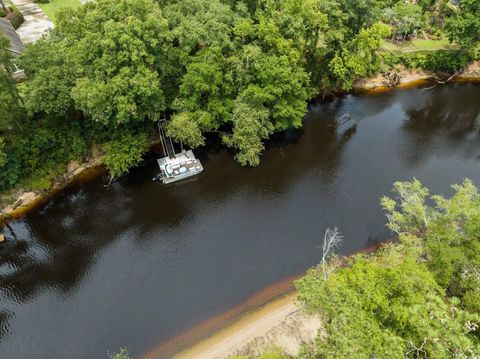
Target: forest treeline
243	69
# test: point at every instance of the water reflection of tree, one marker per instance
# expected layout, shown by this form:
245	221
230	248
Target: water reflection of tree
442	124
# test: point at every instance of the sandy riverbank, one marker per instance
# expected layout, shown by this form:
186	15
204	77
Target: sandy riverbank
408	78
279	322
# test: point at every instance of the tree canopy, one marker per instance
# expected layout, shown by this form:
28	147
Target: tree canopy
416	298
464	26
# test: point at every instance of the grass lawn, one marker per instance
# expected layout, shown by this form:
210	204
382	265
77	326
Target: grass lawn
417	45
53	6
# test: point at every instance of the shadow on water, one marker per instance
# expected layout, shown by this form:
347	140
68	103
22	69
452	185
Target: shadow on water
442	124
228	234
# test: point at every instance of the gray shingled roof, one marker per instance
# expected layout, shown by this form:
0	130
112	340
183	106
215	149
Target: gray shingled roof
7	30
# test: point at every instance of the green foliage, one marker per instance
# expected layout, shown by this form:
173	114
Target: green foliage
122	354
451	234
397	303
124	152
251	126
3	155
11	111
386	306
183	129
358	58
121	82
437	61
464	26
51	72
274	353
404	17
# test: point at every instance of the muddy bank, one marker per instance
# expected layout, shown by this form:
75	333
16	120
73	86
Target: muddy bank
408	78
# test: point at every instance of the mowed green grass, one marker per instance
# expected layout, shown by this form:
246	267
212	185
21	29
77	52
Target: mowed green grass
53	6
417	45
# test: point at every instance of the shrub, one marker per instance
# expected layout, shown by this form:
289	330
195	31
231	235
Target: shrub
445	61
448	61
124	152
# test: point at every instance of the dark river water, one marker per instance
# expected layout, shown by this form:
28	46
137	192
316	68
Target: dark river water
95	270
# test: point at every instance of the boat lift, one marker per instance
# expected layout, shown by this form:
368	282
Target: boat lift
175	167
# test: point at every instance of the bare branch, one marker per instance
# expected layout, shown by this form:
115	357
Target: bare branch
331	240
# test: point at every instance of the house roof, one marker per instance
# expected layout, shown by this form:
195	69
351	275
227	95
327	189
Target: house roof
7	30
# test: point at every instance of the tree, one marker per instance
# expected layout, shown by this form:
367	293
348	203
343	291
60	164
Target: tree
391	304
463	27
409	214
404	17
51	74
118	48
331	240
124	152
449	233
185	130
386	306
206	90
358	57
251	127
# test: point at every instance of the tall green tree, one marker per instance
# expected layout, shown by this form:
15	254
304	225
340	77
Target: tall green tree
449	233
398	303
51	73
118	49
464	27
358	57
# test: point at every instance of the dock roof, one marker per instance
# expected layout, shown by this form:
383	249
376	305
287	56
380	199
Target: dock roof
7	30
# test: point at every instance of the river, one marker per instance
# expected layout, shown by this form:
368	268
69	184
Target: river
95	270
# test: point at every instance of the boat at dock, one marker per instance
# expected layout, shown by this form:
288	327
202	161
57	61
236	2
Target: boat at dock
175	167
182	166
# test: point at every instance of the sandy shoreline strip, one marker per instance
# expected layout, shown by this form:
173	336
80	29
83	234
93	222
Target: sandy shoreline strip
235	336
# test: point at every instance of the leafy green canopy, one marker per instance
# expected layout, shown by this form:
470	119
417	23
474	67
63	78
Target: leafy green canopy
244	69
416	299
117	49
464	26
